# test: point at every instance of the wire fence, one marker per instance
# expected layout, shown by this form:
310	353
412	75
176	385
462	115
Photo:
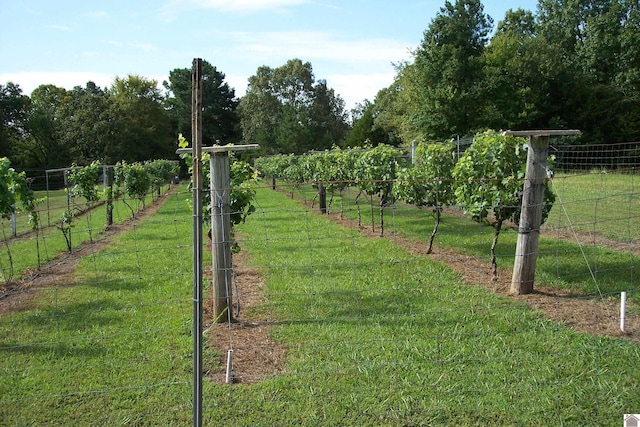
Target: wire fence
334	324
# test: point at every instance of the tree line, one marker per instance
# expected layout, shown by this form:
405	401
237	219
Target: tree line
569	64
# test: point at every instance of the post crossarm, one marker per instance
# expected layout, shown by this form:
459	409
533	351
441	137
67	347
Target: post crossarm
220	148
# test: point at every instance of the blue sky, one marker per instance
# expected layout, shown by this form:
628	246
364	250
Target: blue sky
352	44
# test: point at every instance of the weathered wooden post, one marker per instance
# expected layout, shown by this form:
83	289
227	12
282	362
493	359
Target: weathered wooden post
524	267
222	271
221	229
220	180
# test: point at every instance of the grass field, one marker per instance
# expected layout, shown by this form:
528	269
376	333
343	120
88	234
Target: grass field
603	204
111	346
591	206
374	335
27	252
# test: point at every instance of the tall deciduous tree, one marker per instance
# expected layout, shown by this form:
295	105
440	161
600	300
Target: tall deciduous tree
599	41
43	147
13	117
390	109
526	80
328	117
286	111
91	125
146	134
444	82
220	120
366	130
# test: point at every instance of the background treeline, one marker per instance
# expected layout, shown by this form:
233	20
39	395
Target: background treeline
569	64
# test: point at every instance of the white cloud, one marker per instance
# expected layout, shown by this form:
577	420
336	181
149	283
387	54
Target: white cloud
311	45
356	69
246	6
58	27
239	6
141	46
98	15
355	88
360	67
238	82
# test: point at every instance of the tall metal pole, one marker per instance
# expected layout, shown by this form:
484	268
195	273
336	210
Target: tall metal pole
196	132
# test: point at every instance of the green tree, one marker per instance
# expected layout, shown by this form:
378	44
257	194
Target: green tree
365	130
286	111
91	125
327	117
220	120
390	109
526	82
145	133
444	83
14	107
598	40
43	147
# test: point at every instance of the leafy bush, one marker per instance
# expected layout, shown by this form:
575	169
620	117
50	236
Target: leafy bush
241	194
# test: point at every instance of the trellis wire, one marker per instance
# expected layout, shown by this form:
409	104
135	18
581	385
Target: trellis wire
355	304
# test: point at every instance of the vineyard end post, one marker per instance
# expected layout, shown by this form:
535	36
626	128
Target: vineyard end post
524	267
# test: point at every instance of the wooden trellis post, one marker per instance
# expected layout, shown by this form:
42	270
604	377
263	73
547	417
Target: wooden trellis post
220	180
524	267
221	228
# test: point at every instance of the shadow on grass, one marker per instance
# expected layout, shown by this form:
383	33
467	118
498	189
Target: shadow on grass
75	317
80	348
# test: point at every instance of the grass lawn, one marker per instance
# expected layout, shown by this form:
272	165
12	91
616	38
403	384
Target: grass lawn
113	345
374	336
53	204
28	252
604	204
591	206
380	337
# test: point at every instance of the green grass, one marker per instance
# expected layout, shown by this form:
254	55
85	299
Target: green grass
374	335
605	204
26	252
379	337
586	269
114	346
53	204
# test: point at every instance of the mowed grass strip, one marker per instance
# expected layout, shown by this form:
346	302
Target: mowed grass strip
113	345
376	336
32	250
603	204
594	205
